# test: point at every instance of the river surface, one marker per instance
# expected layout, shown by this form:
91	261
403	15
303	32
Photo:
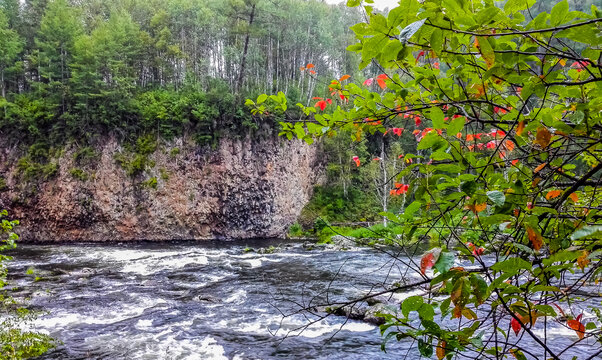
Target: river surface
207	300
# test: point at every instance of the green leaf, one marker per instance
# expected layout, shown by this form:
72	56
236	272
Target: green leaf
425	348
512	265
426	312
437	41
455	126
513	6
479	287
437	117
396	17
486	51
559	12
445	262
497	197
586	231
413	303
261	99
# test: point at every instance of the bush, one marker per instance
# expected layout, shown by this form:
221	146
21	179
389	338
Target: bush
15	343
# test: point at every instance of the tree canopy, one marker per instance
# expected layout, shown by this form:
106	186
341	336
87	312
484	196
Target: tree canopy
503	108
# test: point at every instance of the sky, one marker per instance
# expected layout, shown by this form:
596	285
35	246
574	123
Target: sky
381	4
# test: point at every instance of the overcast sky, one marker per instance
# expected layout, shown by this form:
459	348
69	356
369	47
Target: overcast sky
378	3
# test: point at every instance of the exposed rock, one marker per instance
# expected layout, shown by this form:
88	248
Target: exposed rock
243	189
343	242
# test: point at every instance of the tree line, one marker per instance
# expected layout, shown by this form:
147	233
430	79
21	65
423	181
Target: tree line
71	70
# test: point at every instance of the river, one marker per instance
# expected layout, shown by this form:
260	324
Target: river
210	300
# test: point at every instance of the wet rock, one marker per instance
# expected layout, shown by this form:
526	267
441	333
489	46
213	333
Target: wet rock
343	242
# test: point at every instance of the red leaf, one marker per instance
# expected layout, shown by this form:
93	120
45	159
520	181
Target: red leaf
397	131
516	326
312	72
578	326
357	161
420	54
380	79
417	120
321	104
329	101
317	98
368	82
426	262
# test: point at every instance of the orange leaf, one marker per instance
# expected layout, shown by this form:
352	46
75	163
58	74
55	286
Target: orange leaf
309	66
539	168
574	197
543	137
553	194
520	128
344	77
562	62
441	350
509	145
582	260
477	208
577	326
535	238
426	262
457	312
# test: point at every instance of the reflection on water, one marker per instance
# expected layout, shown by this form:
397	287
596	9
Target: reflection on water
202	301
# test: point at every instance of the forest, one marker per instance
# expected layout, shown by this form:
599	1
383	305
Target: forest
71	71
458	215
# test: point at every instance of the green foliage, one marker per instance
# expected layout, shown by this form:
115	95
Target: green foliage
85	156
295	230
150	183
79	174
135	161
504	109
3	185
71	72
15	343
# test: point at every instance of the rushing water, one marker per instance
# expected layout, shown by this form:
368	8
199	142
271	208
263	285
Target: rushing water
202	301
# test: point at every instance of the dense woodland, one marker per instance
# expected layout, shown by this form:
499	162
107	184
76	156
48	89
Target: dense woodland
71	70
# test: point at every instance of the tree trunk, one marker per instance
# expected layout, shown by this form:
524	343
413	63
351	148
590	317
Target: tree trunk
241	74
385	184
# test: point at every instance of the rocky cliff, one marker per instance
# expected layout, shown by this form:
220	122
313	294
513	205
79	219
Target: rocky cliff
241	189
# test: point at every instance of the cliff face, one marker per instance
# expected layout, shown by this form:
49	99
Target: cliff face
242	189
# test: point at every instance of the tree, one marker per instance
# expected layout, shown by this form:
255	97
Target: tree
11	46
507	112
59	28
